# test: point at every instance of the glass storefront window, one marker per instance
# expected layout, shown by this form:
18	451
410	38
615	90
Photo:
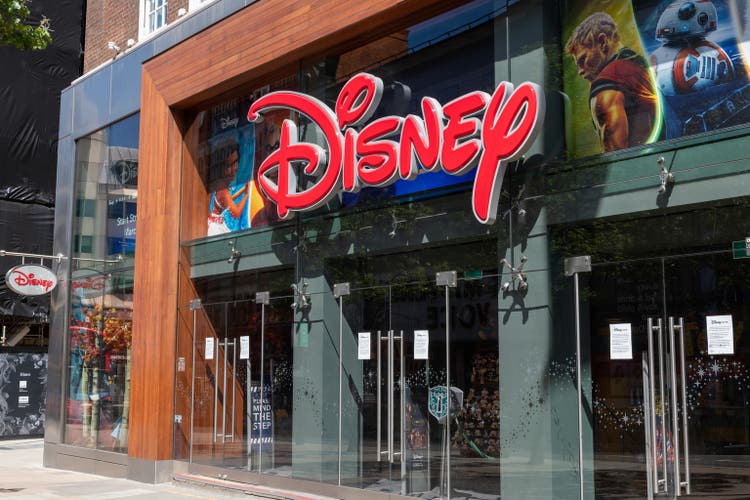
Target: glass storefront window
329	415
100	325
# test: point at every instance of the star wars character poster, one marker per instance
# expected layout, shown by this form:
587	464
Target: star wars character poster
650	70
231	147
694	52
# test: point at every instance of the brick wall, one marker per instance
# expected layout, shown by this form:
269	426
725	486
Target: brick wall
116	21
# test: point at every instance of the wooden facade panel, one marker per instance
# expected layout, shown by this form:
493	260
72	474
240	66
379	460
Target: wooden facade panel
267	36
155	287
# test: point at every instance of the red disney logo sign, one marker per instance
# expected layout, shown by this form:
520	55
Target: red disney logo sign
23	279
475	130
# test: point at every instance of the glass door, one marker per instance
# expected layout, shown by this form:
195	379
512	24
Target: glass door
707	313
665	384
426	397
242	384
623	361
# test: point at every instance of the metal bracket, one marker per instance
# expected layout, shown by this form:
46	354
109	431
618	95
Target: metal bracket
665	177
263	298
234	253
446	278
340	289
302	299
195	304
579	264
516	276
59	257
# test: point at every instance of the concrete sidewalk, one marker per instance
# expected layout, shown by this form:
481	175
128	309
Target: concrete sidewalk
23	477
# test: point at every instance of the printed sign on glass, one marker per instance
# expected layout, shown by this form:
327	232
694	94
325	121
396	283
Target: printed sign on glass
620	341
720	334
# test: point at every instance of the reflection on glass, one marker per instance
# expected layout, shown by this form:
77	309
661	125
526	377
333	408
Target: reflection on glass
101	287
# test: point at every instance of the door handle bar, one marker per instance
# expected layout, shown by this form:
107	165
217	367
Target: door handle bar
675	426
680	326
654	472
380	405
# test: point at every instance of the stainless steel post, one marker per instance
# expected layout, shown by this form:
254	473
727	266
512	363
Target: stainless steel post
402	435
341	370
262	387
450	394
579	388
192	385
573	267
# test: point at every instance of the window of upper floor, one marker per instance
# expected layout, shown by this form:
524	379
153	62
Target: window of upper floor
152	17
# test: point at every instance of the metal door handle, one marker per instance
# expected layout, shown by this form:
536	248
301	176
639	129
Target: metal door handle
659	484
681	327
675	426
649	422
234	383
651	404
380	404
663	403
390	395
216	389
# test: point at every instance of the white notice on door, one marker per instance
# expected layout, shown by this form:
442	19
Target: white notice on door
720	334
363	351
620	341
245	347
209	348
421	344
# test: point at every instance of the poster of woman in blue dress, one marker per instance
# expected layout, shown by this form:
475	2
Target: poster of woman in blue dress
229	204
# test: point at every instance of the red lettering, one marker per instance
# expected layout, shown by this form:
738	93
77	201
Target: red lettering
460	147
358	100
378	165
350	181
281	162
421	140
371	157
509	129
30	279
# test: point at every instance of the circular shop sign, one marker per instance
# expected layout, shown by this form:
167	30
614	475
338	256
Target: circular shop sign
30	279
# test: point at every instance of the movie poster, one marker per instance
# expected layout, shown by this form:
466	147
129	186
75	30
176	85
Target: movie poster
643	71
231	150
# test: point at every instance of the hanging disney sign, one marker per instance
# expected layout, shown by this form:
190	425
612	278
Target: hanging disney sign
476	130
30	279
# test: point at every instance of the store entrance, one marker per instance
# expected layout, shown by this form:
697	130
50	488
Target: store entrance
665	380
242	384
413	438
